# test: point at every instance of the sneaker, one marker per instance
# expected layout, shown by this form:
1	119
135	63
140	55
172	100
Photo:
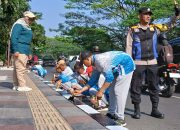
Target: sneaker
24	89
102	108
112	116
15	87
121	122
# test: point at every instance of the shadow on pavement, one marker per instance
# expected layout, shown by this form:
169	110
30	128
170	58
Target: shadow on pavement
6	85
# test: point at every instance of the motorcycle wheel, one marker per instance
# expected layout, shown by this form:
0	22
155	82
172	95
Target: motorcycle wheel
170	89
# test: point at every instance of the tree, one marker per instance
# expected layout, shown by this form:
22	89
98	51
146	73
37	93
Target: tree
60	45
10	11
115	16
89	37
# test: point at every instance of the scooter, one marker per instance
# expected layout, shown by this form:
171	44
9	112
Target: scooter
169	77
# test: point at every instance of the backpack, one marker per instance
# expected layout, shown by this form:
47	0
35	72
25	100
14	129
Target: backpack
165	54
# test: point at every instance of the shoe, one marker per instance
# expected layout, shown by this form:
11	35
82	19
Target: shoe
112	116
71	98
24	89
137	114
102	108
121	122
15	87
157	114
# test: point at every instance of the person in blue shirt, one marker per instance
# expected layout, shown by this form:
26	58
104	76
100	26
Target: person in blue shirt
117	68
20	47
65	78
40	70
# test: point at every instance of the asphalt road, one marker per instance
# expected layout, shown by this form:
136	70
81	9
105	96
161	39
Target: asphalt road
169	106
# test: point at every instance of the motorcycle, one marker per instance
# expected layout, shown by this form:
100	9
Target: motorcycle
169	76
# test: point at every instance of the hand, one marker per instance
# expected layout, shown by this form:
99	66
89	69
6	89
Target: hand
75	87
30	57
99	95
16	54
58	83
77	92
82	82
71	91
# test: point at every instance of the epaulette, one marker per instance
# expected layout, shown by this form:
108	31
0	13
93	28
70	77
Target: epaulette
161	27
134	27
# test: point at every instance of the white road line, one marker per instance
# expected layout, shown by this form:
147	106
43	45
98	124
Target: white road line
116	128
88	109
176	97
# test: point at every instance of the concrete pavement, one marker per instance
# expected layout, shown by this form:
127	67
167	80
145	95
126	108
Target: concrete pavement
43	108
22	111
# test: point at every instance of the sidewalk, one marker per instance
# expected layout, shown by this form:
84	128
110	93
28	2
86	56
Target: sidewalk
42	108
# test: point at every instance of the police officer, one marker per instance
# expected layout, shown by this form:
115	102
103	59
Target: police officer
141	44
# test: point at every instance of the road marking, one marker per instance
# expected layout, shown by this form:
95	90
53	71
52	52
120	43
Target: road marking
116	128
176	97
88	109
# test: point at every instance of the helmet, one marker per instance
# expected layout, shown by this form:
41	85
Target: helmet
96	49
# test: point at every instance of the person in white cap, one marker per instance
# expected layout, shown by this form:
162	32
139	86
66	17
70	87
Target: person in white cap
20	42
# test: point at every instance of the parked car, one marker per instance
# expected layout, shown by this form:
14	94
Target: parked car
48	60
73	60
40	61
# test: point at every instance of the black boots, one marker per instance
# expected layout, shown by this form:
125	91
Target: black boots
137	113
157	114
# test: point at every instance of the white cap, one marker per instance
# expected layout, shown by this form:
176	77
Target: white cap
29	14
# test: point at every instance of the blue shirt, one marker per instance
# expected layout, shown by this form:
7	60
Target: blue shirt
111	64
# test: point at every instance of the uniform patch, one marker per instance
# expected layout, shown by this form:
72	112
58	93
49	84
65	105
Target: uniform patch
151	28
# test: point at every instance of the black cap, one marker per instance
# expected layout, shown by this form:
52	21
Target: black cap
145	10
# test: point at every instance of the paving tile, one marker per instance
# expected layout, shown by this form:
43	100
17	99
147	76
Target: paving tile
7	113
102	119
14	104
17	127
12	93
79	119
87	126
13	98
71	111
60	105
16	121
56	98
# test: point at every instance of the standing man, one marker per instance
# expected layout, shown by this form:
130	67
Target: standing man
142	46
21	36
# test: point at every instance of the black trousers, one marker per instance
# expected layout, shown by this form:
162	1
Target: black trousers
151	71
